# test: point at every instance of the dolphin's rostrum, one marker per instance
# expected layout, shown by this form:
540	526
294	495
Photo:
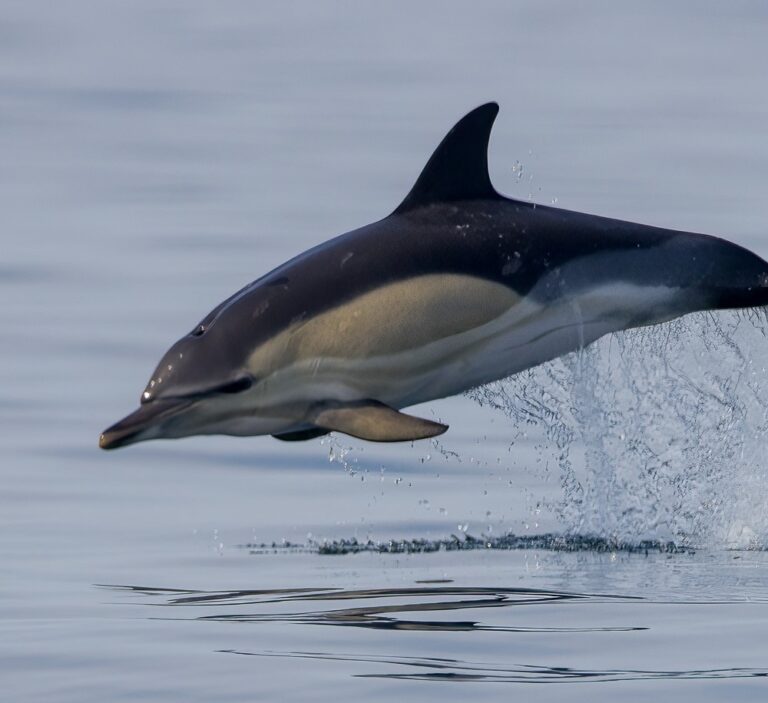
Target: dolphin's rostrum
459	286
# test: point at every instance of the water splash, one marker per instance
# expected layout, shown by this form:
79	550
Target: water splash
506	542
657	433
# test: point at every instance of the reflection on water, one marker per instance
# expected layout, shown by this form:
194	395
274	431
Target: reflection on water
436	669
429	608
379	608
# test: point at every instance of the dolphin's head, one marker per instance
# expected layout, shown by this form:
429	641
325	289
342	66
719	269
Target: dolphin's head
202	385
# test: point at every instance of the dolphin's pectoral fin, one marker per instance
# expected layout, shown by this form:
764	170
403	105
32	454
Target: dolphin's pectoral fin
374	421
301	435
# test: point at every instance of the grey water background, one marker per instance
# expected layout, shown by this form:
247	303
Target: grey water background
157	156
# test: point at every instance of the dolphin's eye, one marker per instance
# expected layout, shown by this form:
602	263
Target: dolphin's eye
238	386
198	331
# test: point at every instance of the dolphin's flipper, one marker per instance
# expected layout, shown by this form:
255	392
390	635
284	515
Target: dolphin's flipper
374	421
301	435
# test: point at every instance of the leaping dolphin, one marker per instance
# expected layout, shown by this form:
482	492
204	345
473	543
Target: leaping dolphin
458	287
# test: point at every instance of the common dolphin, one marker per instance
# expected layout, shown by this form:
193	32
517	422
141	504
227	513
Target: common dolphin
458	287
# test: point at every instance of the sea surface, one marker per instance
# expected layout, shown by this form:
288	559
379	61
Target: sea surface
594	530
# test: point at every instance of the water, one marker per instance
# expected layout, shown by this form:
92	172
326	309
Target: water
158	157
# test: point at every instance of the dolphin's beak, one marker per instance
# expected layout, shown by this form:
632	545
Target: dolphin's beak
131	428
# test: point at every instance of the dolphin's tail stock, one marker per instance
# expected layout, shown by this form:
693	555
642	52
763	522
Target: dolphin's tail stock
751	287
728	275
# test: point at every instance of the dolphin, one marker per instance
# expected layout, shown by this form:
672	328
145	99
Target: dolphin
458	287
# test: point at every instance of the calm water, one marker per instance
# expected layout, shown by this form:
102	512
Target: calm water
157	156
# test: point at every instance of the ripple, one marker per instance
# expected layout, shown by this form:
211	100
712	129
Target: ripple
439	669
378	608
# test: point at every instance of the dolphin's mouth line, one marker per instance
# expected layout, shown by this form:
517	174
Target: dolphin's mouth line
131	426
238	385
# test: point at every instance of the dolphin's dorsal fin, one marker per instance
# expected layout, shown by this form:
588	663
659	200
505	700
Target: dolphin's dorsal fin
458	170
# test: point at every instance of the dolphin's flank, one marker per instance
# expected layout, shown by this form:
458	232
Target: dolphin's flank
459	286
